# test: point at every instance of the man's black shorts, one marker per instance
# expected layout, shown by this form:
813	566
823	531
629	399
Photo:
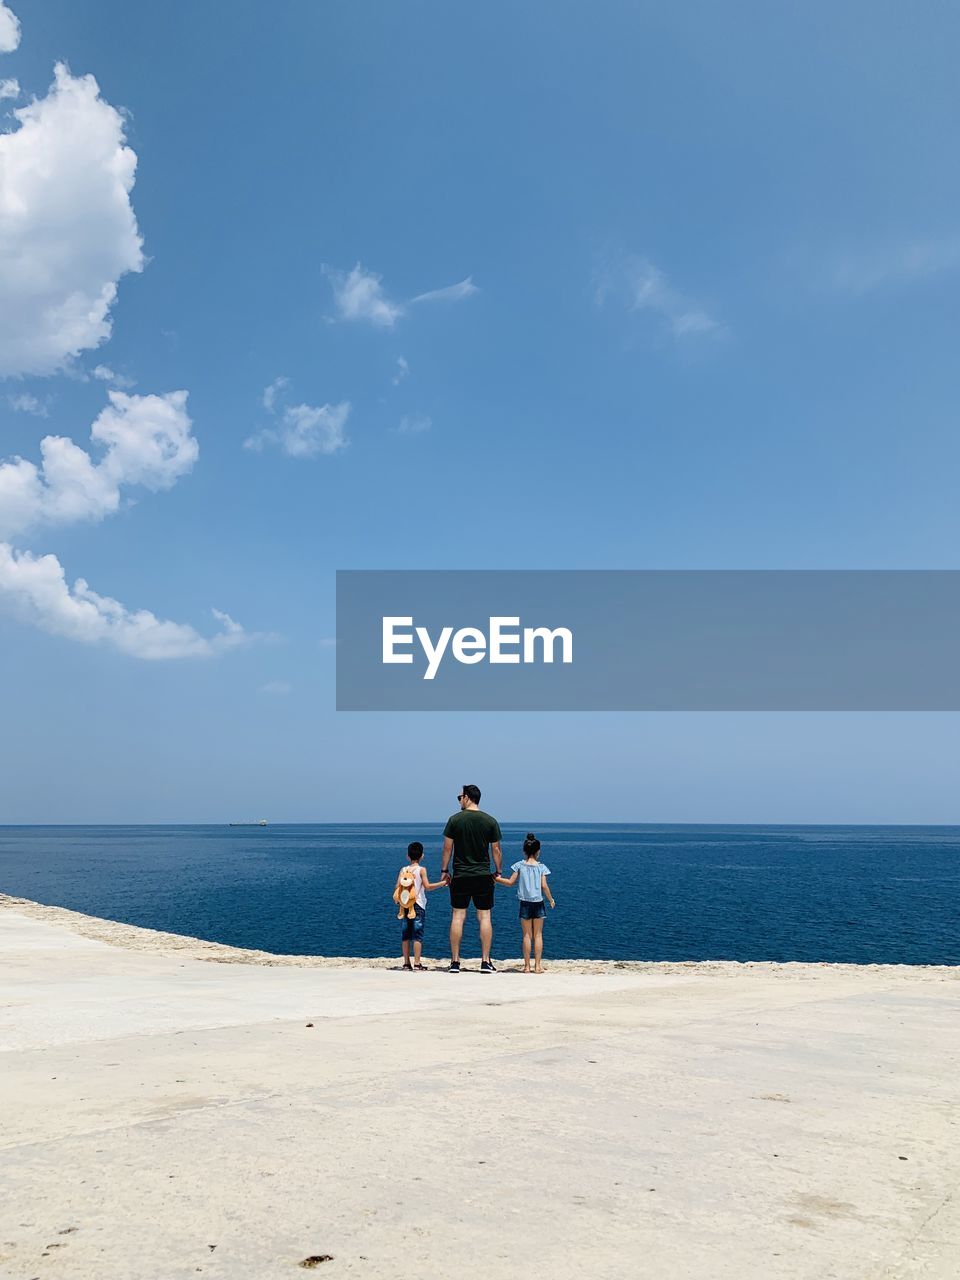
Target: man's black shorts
475	889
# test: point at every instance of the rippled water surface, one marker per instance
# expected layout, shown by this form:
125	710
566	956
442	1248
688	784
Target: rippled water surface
865	894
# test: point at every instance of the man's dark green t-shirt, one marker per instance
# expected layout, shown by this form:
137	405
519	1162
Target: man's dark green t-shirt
472	832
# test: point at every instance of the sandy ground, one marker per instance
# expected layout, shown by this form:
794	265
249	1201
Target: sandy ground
172	1108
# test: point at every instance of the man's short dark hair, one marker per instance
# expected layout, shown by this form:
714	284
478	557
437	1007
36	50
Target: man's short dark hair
415	850
472	793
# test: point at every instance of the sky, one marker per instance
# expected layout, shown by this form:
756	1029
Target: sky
437	285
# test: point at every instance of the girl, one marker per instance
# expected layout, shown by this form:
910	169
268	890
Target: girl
532	875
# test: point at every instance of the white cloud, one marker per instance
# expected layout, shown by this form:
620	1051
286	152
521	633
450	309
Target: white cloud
35	589
897	264
640	286
147	441
358	295
452	292
103	373
307	431
278	688
414	424
301	430
403	371
270	393
26	403
68	233
9	29
67	228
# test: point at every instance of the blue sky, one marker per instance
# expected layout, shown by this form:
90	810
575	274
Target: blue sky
711	258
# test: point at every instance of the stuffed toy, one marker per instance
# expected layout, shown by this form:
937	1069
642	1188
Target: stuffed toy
405	896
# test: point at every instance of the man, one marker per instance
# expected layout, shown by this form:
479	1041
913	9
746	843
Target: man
470	837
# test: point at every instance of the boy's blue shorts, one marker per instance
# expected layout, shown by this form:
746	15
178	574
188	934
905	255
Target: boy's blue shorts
412	930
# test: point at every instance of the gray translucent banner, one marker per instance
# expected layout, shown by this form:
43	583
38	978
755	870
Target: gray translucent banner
648	640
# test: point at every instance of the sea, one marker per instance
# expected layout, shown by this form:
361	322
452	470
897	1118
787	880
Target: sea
850	894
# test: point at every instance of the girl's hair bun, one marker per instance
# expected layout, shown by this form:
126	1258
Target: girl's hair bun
531	836
531	844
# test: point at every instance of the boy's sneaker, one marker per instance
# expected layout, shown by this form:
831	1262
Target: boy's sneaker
487	967
454	966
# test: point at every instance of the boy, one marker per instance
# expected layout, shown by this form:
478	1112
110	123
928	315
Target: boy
412	930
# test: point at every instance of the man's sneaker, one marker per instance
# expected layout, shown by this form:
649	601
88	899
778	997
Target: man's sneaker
454	966
487	967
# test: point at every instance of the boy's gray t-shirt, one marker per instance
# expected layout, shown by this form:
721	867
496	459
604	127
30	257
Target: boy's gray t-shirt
530	880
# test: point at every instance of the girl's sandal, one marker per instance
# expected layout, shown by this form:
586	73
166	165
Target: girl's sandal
421	967
408	968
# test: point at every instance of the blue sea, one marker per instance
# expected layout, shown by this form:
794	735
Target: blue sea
859	894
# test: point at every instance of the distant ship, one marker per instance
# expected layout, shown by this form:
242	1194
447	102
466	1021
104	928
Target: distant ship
261	823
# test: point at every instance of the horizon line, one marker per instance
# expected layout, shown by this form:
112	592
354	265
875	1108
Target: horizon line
529	823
